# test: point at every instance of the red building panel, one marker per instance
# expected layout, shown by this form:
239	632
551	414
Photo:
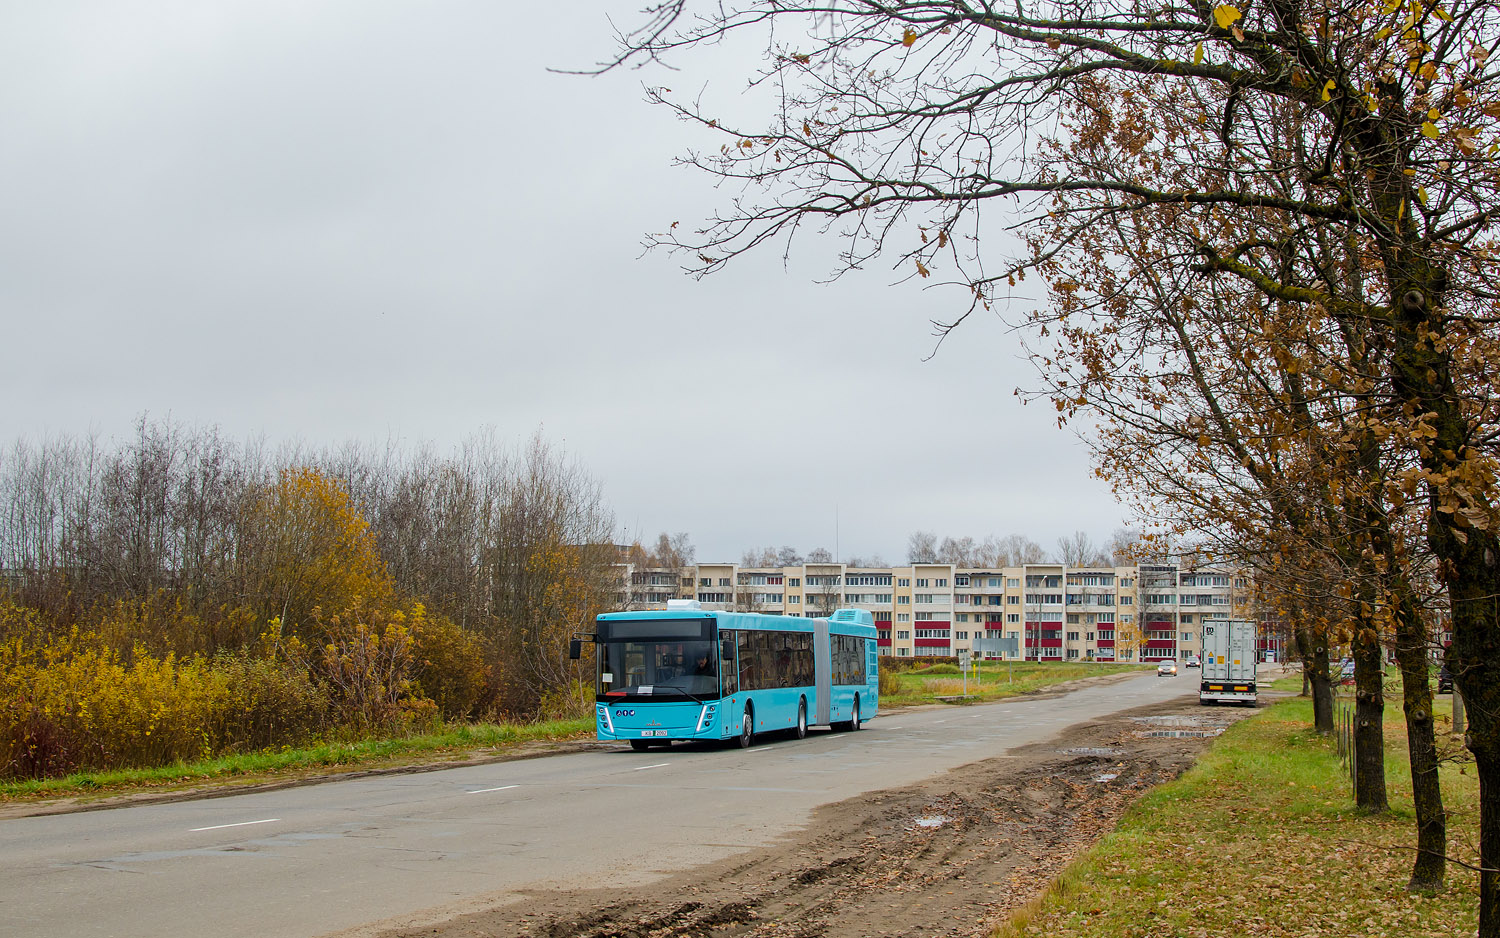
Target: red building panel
932	643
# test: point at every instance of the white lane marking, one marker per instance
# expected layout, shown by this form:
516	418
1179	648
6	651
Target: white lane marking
240	824
643	767
890	727
480	791
940	721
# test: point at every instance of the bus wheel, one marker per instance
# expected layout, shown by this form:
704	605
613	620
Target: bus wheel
854	720
802	719
747	729
639	745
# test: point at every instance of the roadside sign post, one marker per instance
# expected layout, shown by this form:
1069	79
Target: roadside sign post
1007	648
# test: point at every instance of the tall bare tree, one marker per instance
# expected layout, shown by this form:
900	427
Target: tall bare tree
1335	161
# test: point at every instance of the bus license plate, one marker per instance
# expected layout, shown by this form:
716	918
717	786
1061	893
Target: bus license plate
653	732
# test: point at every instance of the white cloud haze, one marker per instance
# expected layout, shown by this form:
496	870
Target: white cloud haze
370	220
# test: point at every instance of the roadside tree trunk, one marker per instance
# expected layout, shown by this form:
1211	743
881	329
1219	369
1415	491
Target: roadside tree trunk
1429	866
1369	721
1315	672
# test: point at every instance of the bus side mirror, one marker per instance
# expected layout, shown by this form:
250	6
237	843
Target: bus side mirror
575	649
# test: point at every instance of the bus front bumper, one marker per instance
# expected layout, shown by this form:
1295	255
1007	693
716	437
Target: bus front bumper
660	721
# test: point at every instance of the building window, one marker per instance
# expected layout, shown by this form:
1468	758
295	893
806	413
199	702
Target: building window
903	617
903	600
903	633
940	582
794	581
926	597
962	635
904	581
1012	617
1187	636
1072	636
1072	653
922	582
960	581
706	581
924	617
963	617
1127	600
1013	600
903	652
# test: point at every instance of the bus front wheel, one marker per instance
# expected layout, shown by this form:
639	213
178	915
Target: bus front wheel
802	719
854	720
747	730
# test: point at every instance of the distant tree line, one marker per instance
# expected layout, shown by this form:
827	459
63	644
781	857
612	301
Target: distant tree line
387	584
1125	546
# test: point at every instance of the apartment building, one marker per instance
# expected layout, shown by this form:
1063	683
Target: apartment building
1047	612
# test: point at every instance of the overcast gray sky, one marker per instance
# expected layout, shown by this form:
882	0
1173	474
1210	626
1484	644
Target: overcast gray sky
373	220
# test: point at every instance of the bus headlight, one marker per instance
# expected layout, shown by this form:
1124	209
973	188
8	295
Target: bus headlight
706	716
609	725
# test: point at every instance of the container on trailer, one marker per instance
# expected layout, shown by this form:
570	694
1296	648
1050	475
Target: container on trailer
1229	658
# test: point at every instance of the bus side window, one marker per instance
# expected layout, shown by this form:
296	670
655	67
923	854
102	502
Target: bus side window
727	664
747	660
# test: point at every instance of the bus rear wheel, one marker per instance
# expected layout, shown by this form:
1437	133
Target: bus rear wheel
802	719
854	723
747	730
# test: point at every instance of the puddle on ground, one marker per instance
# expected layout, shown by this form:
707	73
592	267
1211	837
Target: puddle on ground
1180	727
932	820
1089	751
1107	777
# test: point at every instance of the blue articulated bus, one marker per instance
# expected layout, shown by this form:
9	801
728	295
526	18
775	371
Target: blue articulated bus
691	673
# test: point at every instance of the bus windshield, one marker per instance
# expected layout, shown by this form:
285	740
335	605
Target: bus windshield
658	668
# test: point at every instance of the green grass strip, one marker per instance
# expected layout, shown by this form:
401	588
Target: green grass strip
1261	838
995	680
454	743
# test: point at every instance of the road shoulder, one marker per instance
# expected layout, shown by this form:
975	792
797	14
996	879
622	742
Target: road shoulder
952	856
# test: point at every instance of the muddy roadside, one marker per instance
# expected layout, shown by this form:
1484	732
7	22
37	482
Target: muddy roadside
952	856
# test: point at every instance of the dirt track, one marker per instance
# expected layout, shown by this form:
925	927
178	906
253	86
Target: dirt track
950	857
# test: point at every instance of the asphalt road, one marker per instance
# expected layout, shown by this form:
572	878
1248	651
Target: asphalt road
311	860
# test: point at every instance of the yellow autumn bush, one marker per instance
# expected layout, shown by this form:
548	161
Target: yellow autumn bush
70	701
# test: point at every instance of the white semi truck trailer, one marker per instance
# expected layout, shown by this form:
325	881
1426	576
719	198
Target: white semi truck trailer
1229	656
